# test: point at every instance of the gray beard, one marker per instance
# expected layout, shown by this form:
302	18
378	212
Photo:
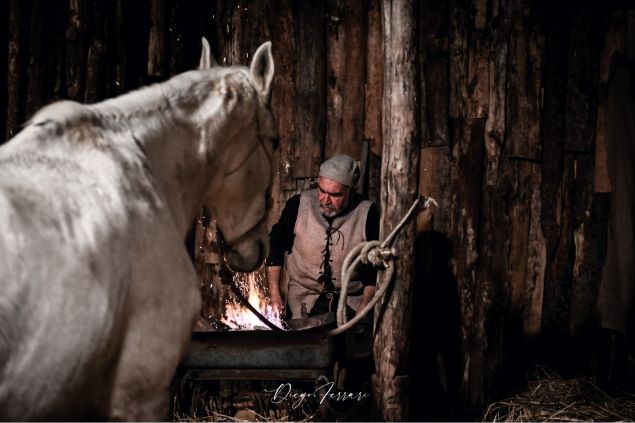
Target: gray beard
329	213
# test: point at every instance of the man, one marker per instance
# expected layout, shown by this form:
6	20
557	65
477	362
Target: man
318	228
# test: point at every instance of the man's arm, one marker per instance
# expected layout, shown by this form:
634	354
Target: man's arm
273	279
281	241
367	295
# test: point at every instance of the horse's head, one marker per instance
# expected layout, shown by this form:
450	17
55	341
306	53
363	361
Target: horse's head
239	199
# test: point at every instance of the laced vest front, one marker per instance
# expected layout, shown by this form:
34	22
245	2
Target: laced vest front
319	249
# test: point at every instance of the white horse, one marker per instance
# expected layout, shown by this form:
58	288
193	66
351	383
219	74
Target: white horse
98	296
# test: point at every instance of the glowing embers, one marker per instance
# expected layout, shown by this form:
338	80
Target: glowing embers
239	317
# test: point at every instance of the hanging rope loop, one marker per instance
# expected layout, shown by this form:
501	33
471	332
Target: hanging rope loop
381	255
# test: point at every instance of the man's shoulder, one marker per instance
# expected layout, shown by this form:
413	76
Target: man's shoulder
308	197
307	192
359	200
294	199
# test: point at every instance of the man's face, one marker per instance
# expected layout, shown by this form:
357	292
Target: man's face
332	196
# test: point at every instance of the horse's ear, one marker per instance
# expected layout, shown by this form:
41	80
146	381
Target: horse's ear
262	70
207	60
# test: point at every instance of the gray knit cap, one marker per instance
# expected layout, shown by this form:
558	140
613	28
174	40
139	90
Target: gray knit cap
342	169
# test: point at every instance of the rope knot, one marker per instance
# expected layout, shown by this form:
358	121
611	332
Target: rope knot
373	253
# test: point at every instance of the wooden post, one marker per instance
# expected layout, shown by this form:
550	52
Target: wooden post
399	170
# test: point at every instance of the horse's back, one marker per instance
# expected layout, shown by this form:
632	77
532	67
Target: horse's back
51	303
61	300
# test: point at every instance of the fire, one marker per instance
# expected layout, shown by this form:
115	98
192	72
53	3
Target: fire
239	317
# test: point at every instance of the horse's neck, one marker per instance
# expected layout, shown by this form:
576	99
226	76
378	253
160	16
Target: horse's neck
174	163
171	149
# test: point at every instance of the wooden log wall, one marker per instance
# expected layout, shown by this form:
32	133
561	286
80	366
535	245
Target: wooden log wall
509	122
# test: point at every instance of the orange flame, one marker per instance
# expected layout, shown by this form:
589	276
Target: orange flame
238	317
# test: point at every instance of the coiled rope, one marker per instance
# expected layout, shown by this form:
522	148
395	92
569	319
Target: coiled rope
379	254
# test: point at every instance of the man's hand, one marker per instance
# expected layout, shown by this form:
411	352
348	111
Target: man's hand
276	303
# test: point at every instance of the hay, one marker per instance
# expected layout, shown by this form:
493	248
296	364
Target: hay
551	398
241	416
239	404
246	415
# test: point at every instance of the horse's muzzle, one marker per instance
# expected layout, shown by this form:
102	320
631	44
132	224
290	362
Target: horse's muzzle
247	259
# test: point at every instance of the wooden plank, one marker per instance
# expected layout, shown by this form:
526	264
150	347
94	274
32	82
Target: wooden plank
373	94
97	77
157	66
309	98
495	124
557	179
58	52
582	79
356	37
75	50
433	41
436	78
4	69
244	27
374	79
17	54
602	181
458	50
223	29
478	74
614	41
590	223
558	230
466	170
536	258
35	90
234	33
255	28
283	48
400	166
121	59
527	253
486	342
485	339
480	14
336	75
346	66
434	181
524	94
589	212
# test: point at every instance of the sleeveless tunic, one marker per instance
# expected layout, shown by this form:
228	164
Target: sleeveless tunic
305	264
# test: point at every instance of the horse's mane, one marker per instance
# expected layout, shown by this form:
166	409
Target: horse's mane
192	86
